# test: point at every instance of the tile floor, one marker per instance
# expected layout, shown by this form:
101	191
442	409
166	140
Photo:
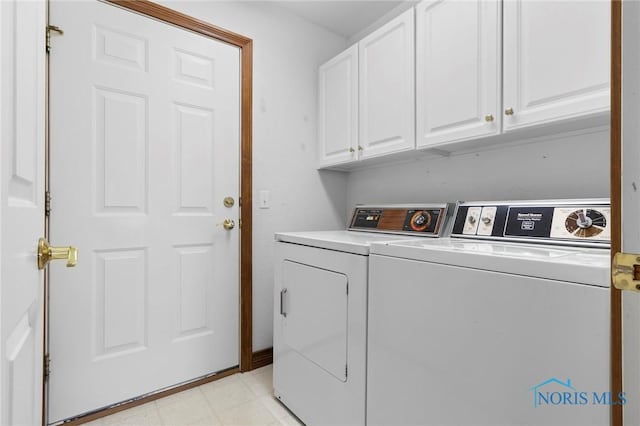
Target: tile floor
241	400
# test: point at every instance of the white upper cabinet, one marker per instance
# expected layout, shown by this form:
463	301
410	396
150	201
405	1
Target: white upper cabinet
480	70
338	109
457	71
387	111
556	60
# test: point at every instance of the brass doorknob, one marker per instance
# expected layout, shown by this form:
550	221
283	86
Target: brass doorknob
228	224
508	111
46	253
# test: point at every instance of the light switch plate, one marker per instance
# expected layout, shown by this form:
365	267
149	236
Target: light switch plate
263	199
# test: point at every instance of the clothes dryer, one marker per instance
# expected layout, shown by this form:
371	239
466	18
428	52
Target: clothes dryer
320	309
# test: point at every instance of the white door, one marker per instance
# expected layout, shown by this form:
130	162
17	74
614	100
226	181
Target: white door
386	74
458	72
556	60
144	148
630	204
22	132
338	109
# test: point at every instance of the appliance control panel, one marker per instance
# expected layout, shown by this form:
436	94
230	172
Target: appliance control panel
569	222
416	219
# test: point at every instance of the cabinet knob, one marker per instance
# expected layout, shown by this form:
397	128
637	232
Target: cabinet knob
360	148
488	118
508	111
352	150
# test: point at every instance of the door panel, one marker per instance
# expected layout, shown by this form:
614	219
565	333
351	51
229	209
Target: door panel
22	77
630	204
145	146
120	299
121	151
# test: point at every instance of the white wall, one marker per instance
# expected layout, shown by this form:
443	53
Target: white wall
558	167
287	52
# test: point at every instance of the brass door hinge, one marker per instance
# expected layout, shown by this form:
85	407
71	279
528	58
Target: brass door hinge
625	272
48	36
47	203
47	369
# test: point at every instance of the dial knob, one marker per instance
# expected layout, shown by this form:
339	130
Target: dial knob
472	219
420	221
486	220
583	221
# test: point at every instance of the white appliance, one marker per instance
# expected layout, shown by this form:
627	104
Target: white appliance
506	323
320	309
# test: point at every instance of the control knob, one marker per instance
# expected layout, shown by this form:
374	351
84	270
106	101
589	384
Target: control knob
420	221
486	220
584	221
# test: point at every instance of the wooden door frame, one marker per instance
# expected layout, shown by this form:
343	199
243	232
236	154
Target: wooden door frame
616	202
245	44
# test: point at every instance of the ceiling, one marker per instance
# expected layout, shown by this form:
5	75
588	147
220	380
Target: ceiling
344	17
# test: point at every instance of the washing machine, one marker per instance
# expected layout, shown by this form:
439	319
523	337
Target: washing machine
320	309
505	323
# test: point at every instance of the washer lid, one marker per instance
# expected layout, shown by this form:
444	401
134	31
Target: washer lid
572	264
347	241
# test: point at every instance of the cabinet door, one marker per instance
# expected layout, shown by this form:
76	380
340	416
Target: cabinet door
556	60
457	70
338	109
387	88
